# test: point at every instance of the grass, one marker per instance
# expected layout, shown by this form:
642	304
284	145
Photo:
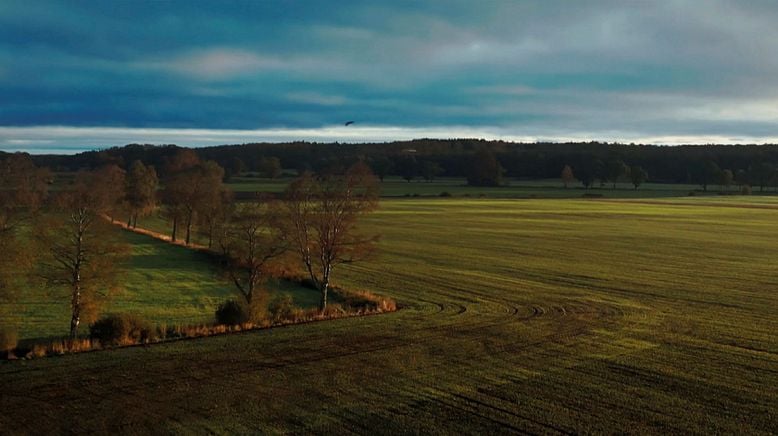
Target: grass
537	316
164	283
457	187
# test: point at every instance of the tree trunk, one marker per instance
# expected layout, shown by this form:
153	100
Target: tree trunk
188	229
75	303
325	285
175	229
323	301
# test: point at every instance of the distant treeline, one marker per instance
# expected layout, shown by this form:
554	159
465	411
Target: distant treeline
428	158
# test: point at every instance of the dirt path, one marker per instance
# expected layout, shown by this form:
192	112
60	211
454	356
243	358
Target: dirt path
157	235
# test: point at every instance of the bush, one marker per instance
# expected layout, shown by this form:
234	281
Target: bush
122	329
231	313
8	340
745	190
445	194
282	308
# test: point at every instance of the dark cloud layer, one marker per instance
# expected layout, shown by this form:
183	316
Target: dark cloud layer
671	71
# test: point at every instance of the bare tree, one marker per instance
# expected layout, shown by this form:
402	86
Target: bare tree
110	186
84	250
141	191
186	192
175	187
253	240
637	175
615	170
322	217
173	210
725	179
213	214
567	176
23	189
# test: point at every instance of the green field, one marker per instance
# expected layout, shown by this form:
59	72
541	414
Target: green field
457	187
534	316
164	283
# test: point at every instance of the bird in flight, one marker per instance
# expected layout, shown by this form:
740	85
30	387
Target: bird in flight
348	123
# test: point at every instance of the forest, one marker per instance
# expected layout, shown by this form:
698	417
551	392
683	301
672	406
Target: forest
754	165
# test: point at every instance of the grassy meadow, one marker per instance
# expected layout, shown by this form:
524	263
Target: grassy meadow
163	283
457	187
531	316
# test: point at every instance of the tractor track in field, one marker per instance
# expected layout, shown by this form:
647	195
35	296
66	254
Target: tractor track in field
461	322
440	316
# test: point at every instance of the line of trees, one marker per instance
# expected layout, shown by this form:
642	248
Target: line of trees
428	159
316	219
64	239
193	193
705	173
314	225
61	240
612	171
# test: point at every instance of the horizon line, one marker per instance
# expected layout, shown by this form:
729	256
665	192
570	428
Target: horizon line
66	140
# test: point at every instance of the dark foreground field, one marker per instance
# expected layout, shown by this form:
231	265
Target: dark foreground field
536	316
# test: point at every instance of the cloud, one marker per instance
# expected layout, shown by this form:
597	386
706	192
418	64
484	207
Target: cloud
551	69
216	64
513	90
317	98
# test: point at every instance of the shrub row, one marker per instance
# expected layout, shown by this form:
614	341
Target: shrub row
117	330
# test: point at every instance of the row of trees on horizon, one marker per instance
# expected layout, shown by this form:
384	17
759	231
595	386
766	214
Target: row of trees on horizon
426	159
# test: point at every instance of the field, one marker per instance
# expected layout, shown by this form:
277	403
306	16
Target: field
534	316
457	187
165	284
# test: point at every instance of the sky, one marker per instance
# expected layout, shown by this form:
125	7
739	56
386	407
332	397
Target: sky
81	75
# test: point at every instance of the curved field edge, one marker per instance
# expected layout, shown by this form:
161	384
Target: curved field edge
168	334
529	316
345	303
